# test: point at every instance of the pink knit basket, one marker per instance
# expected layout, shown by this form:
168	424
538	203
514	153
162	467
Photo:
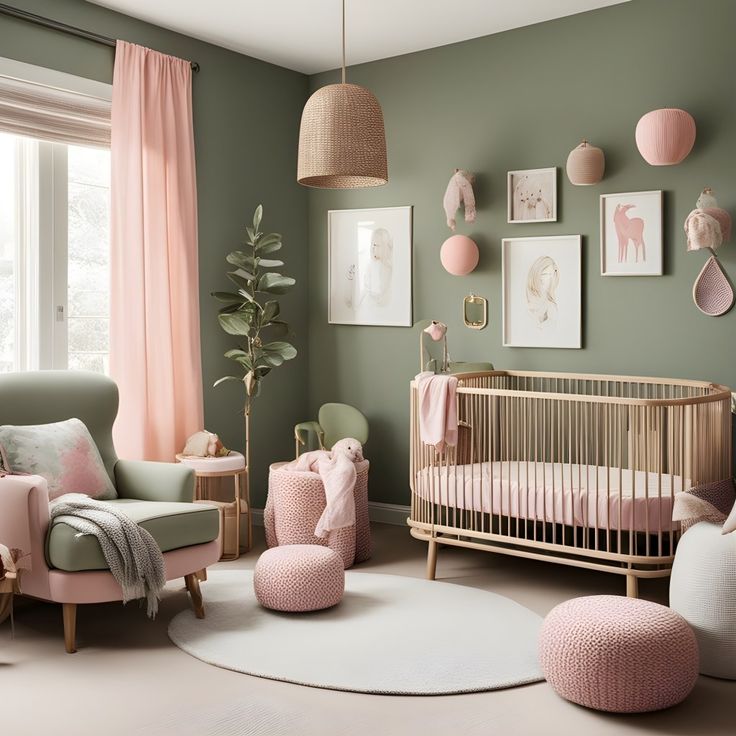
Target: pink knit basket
618	654
295	502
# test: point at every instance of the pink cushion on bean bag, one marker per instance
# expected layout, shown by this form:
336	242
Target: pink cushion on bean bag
299	577
618	654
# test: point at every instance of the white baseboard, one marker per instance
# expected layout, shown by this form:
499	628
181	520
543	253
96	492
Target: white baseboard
381	513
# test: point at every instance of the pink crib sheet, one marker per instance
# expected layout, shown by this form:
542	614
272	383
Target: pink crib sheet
580	495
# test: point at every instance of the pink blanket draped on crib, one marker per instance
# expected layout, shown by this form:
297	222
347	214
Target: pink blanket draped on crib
437	410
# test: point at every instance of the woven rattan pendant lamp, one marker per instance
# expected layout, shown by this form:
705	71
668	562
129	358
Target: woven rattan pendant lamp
342	142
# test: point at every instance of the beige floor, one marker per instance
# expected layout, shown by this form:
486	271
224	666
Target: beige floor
127	678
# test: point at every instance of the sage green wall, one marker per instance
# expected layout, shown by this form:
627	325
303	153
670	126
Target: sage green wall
524	99
246	118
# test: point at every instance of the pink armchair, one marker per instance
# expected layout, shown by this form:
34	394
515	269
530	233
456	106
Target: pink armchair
64	567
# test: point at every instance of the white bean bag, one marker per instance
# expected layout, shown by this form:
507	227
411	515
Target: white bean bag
703	592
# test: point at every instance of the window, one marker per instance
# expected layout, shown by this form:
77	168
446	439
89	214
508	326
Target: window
54	255
54	223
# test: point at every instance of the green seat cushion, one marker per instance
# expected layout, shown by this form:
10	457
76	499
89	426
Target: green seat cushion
172	525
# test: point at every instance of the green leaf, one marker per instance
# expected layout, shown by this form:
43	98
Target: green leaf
224	379
257	216
226	296
251	233
230	308
271	248
247	275
262	371
235	353
240	260
275	283
269	243
265	263
236	323
247	296
245	361
284	349
271	310
237	280
273	359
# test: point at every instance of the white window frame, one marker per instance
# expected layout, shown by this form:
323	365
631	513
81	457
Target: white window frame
42	255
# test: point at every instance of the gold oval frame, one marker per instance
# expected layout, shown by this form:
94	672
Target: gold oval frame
475	324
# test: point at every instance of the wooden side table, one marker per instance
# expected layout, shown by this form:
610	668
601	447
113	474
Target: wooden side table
231	512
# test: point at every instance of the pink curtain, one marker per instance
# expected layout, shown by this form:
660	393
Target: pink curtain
154	312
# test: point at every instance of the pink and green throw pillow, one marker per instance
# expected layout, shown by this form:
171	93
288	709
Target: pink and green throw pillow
64	453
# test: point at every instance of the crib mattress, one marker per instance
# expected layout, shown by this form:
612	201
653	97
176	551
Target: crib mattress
575	495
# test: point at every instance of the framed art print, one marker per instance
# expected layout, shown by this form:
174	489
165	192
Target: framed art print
541	285
370	266
532	195
631	234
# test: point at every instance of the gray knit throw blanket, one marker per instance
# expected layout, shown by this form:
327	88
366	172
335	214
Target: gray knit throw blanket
132	554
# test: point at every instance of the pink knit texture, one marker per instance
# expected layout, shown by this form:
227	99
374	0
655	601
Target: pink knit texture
299	577
618	654
665	137
295	503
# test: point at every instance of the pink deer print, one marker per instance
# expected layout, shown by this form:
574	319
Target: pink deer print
629	229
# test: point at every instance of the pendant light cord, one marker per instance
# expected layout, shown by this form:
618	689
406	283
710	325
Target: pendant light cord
343	41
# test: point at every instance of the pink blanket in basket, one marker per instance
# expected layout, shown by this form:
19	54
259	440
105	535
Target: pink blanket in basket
336	467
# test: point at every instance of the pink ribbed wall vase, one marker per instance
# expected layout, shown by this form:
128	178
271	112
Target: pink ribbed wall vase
665	137
585	165
459	255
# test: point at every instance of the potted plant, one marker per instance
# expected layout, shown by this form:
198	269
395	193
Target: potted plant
252	314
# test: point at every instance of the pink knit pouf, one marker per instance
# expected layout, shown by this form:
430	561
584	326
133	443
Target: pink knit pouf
618	654
299	577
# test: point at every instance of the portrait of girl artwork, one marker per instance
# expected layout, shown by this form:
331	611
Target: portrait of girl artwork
370	266
541	292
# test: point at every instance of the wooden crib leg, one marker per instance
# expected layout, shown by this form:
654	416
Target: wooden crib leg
432	559
632	586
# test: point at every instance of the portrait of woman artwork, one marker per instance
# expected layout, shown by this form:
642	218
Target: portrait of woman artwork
541	292
370	266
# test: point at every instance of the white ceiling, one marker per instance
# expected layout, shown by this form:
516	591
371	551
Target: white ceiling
305	34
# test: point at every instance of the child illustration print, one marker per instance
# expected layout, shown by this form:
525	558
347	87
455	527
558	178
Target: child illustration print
532	199
541	291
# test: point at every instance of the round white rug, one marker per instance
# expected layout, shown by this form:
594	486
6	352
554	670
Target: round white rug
390	635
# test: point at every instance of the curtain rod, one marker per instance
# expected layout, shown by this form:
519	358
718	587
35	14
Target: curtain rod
64	27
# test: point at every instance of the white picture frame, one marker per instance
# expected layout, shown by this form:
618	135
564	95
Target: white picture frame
631	244
370	266
542	291
531	195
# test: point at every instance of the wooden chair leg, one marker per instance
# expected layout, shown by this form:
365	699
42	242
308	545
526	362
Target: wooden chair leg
432	559
69	614
192	583
202	575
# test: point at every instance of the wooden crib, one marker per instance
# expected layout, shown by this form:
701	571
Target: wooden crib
575	469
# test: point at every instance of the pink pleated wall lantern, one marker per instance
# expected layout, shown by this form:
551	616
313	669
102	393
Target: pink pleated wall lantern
459	255
665	137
